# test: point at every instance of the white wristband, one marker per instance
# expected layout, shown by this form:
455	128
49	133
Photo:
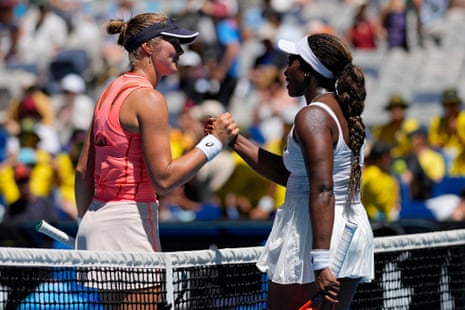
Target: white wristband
320	259
210	146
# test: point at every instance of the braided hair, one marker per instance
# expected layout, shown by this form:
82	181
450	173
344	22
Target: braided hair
349	85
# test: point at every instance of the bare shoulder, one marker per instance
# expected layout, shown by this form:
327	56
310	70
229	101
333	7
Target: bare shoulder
147	96
144	105
311	116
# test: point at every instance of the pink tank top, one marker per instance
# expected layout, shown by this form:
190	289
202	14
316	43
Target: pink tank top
120	171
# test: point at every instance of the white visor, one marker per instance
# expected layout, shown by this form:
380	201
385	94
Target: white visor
302	49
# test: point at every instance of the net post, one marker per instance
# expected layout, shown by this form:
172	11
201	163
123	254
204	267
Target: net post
169	282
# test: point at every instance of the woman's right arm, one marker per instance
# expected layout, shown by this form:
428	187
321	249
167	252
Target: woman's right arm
266	163
84	186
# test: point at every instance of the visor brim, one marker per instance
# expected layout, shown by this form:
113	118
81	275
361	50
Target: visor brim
288	47
185	36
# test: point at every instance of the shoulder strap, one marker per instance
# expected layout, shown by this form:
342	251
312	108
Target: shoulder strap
331	113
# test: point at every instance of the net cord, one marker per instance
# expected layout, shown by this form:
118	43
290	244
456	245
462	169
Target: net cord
420	240
53	257
12	256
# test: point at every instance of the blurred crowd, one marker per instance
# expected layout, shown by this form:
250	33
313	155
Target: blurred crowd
55	59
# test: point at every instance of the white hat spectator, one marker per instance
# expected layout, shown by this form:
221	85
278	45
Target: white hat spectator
73	83
190	59
207	108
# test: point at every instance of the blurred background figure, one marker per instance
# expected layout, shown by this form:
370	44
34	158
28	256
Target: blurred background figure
25	211
9	31
365	30
447	131
430	14
224	67
39	161
64	165
72	107
43	34
33	104
425	167
28	207
380	189
271	102
448	207
395	131
394	20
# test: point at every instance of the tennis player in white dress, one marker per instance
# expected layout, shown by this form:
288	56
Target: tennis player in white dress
321	169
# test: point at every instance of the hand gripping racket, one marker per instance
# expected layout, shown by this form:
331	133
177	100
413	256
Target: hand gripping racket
55	233
339	257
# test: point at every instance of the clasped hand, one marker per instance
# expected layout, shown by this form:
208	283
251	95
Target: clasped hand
223	127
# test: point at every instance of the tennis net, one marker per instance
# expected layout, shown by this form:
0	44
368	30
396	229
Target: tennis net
412	271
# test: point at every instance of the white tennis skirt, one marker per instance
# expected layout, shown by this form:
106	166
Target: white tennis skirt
286	256
119	226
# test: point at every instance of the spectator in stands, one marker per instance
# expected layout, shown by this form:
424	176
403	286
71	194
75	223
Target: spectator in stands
380	189
28	153
270	55
224	68
28	207
34	104
9	31
457	166
72	107
430	14
395	131
393	19
425	166
43	34
272	101
84	44
322	175
193	78
447	131
65	168
112	53
448	207
364	31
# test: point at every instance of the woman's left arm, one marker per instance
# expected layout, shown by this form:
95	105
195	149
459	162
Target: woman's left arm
315	132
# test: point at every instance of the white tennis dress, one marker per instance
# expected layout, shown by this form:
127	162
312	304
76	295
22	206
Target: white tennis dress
286	255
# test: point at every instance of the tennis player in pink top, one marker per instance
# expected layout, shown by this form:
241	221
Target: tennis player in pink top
126	159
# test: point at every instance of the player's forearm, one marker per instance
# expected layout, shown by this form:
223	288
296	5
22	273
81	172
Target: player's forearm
84	193
267	164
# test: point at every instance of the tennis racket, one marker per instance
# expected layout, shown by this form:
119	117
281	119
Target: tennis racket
55	233
339	257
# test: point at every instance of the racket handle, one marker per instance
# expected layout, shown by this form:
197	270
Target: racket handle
55	233
343	247
306	306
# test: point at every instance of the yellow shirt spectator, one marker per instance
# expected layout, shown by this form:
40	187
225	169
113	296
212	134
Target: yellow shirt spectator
395	131
42	177
448	131
380	190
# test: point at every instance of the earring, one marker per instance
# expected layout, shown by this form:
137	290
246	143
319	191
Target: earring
306	75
